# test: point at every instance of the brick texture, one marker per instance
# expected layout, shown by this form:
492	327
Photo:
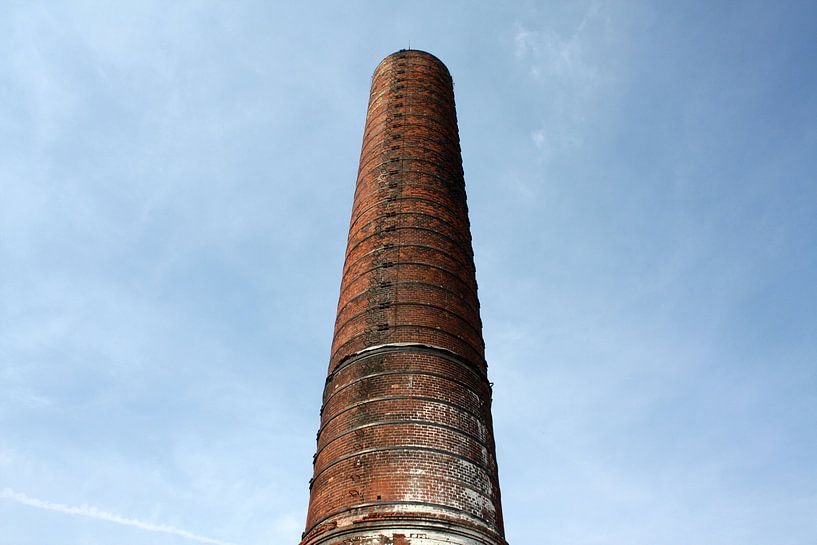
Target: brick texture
405	451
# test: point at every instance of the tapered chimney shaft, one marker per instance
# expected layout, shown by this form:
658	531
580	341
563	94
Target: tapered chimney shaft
405	450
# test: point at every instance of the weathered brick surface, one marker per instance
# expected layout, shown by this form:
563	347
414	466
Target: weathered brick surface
405	451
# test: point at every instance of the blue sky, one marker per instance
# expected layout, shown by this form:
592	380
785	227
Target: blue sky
176	185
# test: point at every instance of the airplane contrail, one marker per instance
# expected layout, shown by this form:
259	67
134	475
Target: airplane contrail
93	512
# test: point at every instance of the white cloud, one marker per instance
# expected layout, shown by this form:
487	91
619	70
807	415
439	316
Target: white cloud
556	55
539	138
570	64
94	513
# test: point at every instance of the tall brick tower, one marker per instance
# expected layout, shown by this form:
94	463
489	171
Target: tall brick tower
405	450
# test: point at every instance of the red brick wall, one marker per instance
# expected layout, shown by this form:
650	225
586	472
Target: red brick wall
406	435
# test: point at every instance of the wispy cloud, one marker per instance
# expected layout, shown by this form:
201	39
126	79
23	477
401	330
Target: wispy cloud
555	54
94	513
567	62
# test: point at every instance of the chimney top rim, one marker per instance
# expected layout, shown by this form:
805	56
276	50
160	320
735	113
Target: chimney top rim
414	52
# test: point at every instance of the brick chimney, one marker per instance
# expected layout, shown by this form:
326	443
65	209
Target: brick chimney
405	452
